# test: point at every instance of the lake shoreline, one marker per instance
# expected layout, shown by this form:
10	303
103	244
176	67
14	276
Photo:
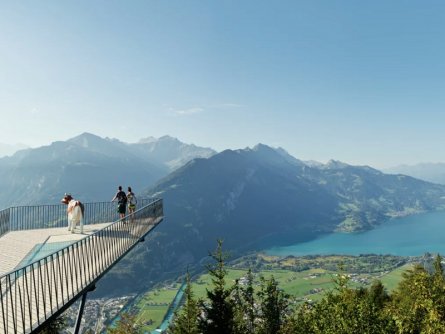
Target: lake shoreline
411	235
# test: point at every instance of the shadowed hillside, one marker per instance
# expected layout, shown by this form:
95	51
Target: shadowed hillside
255	198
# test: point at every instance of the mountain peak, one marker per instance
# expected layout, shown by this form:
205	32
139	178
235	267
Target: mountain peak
336	164
265	151
86	139
276	154
262	147
168	138
86	135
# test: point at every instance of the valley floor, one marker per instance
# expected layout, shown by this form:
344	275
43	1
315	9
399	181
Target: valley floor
307	279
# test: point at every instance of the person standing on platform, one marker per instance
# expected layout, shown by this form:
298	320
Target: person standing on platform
75	210
132	201
121	202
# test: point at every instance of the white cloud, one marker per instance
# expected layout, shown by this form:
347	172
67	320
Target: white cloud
205	108
188	111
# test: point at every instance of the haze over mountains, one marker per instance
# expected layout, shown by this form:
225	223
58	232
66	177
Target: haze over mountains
253	198
90	167
432	172
6	150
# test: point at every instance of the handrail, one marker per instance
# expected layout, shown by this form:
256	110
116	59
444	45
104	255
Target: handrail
37	292
32	217
4	221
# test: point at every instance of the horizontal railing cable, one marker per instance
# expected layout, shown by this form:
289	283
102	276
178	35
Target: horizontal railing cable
36	292
47	216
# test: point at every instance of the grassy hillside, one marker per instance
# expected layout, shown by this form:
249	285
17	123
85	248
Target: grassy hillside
392	279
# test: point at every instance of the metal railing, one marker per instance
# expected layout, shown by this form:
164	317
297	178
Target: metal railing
47	216
36	293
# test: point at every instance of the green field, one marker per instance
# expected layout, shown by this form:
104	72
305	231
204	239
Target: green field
393	278
295	283
305	285
153	305
309	284
304	278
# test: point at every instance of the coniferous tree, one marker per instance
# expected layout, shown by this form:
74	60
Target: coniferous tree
243	297
300	322
56	326
438	278
436	315
377	294
239	309
186	321
407	309
219	312
274	304
126	325
249	303
342	311
417	304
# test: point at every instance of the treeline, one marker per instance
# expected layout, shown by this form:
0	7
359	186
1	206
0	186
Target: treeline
365	263
416	306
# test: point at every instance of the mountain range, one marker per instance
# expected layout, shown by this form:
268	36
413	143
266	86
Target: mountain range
89	167
261	197
432	172
252	198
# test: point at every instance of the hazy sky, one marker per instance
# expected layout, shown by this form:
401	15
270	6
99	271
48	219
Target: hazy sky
357	81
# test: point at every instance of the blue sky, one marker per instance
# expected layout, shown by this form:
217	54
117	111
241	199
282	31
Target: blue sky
357	81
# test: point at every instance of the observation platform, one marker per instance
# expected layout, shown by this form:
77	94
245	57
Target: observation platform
19	248
44	268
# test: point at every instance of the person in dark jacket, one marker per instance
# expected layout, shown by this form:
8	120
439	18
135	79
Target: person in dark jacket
121	202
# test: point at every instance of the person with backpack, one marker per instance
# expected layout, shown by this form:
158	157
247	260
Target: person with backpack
132	201
121	202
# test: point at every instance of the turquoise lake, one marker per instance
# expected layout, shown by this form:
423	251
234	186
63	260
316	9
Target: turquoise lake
408	236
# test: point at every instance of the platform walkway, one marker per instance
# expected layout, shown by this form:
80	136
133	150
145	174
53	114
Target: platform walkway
17	246
38	283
